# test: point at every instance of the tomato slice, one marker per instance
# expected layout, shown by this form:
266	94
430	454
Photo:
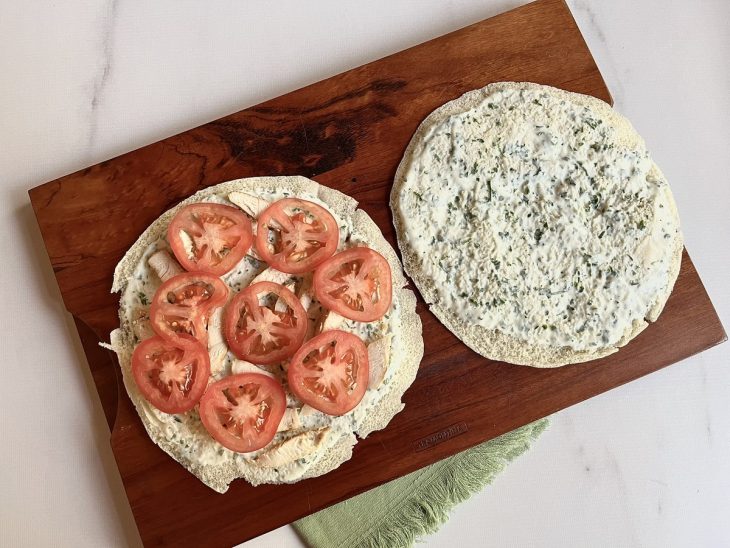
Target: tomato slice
171	377
242	412
265	323
355	283
220	236
181	306
295	236
330	372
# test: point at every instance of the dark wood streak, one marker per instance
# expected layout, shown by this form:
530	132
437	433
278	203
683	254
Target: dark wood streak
282	141
382	87
349	132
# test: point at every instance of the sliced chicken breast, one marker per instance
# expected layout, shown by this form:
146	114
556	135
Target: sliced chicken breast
164	265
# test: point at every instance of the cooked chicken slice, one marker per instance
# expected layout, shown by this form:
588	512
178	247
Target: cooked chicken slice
164	265
314	311
141	324
378	360
305	292
281	305
290	420
329	320
272	275
250	204
242	366
307	411
217	348
293	449
306	297
253	253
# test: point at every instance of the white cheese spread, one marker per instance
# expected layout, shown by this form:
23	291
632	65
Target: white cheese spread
533	220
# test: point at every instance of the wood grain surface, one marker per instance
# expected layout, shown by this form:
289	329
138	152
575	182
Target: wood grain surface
347	132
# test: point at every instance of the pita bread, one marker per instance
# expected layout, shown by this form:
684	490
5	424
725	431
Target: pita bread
495	343
331	449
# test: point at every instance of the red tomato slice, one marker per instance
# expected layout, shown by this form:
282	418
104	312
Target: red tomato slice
330	372
170	377
242	412
294	235
265	323
181	306
220	234
355	283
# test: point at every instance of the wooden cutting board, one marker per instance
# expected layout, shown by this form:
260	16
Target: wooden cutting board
347	132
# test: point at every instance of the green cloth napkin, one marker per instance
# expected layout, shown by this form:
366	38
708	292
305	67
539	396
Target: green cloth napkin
397	513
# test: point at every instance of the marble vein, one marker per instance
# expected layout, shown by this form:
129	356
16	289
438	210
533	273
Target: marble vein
705	399
589	16
624	499
102	77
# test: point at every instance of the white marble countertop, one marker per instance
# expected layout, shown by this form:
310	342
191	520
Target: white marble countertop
82	81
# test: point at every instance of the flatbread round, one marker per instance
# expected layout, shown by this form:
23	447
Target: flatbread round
334	448
513	217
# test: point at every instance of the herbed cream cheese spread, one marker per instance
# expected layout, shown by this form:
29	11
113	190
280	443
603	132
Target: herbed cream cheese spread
532	217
